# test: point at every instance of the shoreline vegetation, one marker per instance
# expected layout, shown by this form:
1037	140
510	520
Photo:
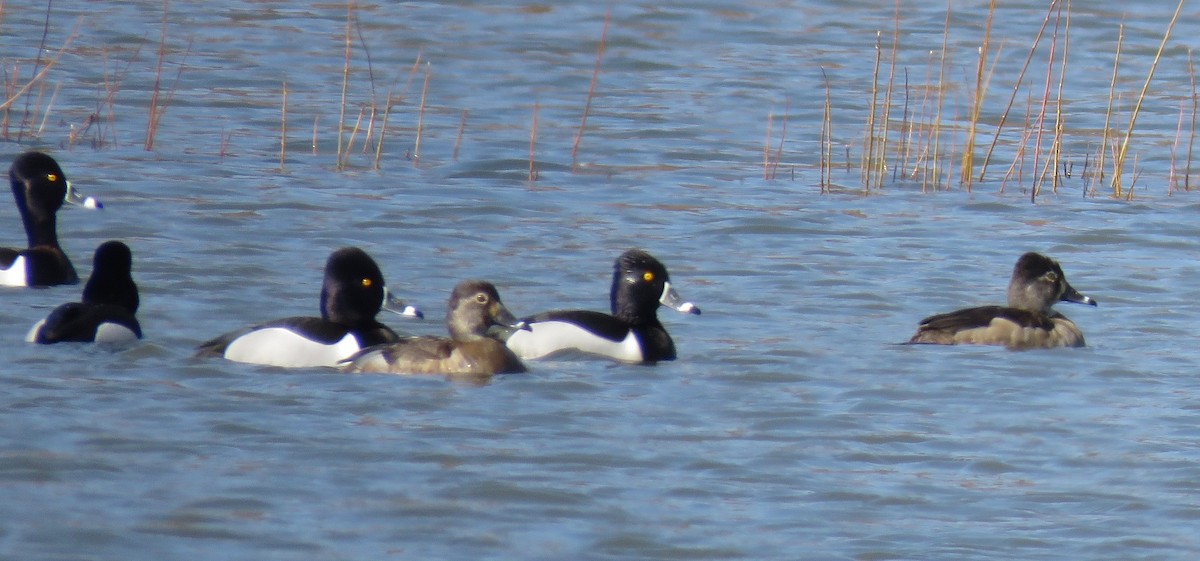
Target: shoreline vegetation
938	132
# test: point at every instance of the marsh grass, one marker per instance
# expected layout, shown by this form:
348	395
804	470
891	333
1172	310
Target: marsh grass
940	120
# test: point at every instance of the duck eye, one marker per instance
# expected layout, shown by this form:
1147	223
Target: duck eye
481	298
648	276
1051	277
366	283
51	177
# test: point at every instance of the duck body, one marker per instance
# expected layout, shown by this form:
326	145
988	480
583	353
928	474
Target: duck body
352	294
1027	322
631	333
473	308
107	312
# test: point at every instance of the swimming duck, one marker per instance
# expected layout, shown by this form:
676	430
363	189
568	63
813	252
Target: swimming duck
352	294
474	306
1027	322
106	312
632	333
40	189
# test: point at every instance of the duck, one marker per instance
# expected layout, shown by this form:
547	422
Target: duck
40	188
1027	322
106	313
473	308
632	333
352	295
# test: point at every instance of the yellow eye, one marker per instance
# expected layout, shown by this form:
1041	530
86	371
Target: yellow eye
51	177
367	283
648	276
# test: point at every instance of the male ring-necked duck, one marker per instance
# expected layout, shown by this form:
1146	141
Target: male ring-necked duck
40	189
106	313
474	306
352	294
1027	322
631	334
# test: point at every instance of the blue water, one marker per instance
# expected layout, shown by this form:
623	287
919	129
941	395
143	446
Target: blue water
792	426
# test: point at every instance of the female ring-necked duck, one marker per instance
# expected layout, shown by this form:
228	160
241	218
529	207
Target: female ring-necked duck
1027	322
106	312
474	307
352	294
631	334
40	189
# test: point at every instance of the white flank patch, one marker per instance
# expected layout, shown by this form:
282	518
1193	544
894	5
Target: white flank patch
31	337
14	275
548	337
276	346
114	333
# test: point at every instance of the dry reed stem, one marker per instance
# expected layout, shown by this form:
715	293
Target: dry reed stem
1059	124
387	112
533	144
767	147
587	106
162	53
1172	177
987	158
1187	173
1112	90
1039	126
462	126
968	155
341	127
283	129
941	101
826	148
416	155
887	99
787	107
866	161
12	93
1120	161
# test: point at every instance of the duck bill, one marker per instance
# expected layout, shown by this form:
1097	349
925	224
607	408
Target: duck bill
671	299
1072	295
397	306
505	319
74	197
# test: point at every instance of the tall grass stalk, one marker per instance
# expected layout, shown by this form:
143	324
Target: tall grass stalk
968	154
1120	161
533	144
941	100
1187	173
283	129
987	158
587	106
416	155
341	126
867	163
1039	126
887	100
1108	110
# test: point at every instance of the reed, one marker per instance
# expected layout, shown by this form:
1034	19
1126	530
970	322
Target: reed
1172	177
987	158
1039	126
767	147
826	143
587	106
154	113
774	163
868	153
341	126
968	154
1108	111
533	174
462	126
416	153
283	129
1120	160
1187	174
881	171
